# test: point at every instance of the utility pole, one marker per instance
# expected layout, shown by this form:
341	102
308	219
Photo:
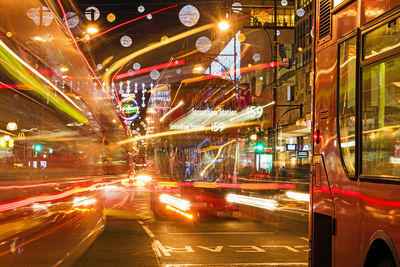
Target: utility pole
274	85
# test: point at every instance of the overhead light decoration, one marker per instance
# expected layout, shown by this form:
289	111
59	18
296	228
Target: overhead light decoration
164	38
241	37
256	57
111	17
278	32
154	74
12	126
9	34
72	19
203	44
37	147
149	16
126	41
284	2
40	14
237	7
92	13
189	15
141	9
136	66
300	12
179	71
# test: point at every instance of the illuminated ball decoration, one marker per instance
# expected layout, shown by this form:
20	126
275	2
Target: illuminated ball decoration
154	74
88	13
300	12
203	44
237	7
34	14
278	32
179	71
149	16
87	36
9	34
140	9
136	66
189	15
73	19
262	17
256	57
126	41
241	37
99	66
164	38
284	2
111	17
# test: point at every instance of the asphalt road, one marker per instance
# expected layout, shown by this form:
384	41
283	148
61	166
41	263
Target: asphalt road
127	242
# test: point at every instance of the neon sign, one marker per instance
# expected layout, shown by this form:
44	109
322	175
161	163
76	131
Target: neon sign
129	109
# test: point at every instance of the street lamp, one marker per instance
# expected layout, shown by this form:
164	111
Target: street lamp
223	25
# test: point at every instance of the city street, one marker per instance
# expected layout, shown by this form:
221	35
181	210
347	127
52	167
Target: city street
224	242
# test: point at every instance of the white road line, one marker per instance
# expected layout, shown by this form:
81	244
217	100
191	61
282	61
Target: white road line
241	264
304	238
222	233
148	231
159	246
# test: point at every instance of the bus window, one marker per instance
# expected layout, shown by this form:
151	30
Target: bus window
380	118
382	39
347	102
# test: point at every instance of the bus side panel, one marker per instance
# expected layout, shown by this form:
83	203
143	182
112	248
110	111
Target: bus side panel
330	178
379	213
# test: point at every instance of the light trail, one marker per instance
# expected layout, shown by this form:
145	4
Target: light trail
174	63
298	196
142	51
175	202
8	50
269	204
216	157
130	21
172	110
76	44
170	133
245	113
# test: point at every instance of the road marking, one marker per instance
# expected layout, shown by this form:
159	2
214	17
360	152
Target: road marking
304	238
159	246
249	248
148	231
216	249
241	264
287	247
221	233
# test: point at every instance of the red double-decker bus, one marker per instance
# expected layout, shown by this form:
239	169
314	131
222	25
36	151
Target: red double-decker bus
355	181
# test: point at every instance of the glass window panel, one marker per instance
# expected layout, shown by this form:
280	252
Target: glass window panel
381	118
347	102
382	39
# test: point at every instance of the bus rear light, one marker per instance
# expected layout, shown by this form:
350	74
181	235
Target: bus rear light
317	136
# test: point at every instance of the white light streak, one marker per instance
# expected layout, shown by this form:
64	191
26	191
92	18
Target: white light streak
172	110
298	196
262	203
175	202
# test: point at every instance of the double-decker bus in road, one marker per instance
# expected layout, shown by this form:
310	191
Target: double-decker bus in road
355	203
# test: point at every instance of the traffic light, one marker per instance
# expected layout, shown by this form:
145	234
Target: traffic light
259	146
37	147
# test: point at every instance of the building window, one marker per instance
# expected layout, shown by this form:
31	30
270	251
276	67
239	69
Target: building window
347	103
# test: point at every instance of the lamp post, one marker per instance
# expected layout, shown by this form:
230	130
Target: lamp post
275	141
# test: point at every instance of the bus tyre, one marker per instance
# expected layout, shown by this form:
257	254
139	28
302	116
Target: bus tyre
386	263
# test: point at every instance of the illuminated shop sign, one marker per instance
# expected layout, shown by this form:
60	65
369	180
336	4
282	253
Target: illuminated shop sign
302	154
291	147
128	109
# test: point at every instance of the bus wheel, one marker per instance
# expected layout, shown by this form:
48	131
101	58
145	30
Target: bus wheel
386	263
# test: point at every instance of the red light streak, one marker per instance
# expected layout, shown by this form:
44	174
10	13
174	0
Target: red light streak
129	21
359	195
148	69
